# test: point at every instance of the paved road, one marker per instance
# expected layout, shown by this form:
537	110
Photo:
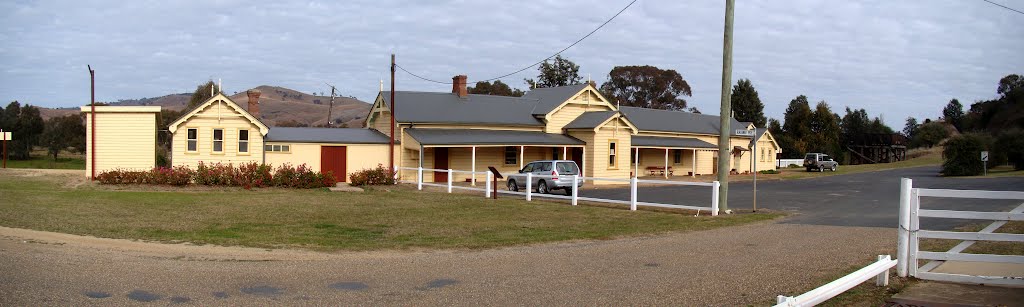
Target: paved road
865	199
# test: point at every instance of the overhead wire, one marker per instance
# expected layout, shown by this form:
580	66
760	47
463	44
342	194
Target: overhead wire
534	64
1003	6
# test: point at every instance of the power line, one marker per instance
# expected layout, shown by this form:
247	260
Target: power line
538	62
1003	6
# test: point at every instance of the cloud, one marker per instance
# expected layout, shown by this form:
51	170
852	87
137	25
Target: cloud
897	58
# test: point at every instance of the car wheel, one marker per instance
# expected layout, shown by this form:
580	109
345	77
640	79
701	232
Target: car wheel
821	169
512	186
834	168
542	188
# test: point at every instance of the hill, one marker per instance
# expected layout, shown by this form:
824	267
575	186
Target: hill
277	105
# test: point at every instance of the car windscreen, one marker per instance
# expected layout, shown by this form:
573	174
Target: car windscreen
567	168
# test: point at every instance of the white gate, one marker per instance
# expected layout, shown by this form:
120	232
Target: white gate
910	233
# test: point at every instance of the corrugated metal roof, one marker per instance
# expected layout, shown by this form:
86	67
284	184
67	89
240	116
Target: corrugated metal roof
675	121
550	98
590	120
671	142
448	108
327	135
489	137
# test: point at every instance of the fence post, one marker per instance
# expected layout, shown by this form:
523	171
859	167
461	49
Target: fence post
449	180
883	278
714	197
782	299
575	188
915	206
419	178
903	235
632	193
487	184
529	186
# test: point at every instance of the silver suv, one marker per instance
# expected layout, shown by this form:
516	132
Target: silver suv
819	162
548	175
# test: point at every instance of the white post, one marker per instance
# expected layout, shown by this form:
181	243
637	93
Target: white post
449	180
693	166
583	167
419	178
666	163
487	184
529	186
915	206
636	163
714	197
473	181
521	149
883	278
782	299
632	194
575	188
903	235
565	152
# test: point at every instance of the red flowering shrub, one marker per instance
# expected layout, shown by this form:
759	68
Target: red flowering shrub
249	175
373	176
246	175
215	174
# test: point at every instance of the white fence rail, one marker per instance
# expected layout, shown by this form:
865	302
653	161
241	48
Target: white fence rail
784	163
910	233
574	198
879	270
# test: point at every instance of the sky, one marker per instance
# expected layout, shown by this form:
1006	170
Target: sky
894	58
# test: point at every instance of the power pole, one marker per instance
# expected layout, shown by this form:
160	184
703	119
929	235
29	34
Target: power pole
725	119
391	148
92	123
331	108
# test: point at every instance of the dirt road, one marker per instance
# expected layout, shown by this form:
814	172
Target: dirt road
732	266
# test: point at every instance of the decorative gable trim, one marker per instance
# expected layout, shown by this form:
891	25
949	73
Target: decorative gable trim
589	89
219	98
616	117
378	105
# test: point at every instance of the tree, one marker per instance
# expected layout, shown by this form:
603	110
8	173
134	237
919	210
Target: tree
910	127
560	72
497	88
954	113
825	132
961	154
929	134
797	126
202	94
1006	112
26	125
63	133
1010	144
646	87
747	104
1009	84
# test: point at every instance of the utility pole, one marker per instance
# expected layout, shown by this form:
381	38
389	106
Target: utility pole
92	121
331	108
391	148
725	119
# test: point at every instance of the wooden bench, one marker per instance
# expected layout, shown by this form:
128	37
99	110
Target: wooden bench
658	170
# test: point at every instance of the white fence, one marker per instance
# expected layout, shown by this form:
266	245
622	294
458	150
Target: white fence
910	233
878	270
574	198
784	163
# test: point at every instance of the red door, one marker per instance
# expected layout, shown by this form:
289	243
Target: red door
332	158
440	162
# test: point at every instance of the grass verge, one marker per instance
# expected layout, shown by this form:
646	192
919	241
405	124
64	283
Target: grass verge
395	218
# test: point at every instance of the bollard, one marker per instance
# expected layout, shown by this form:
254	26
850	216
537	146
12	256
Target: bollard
419	178
529	186
449	180
714	197
575	188
487	184
632	193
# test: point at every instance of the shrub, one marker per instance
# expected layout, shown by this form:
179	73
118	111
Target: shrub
215	174
372	176
769	172
252	174
963	155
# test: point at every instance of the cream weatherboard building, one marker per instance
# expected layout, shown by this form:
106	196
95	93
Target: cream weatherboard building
125	138
448	130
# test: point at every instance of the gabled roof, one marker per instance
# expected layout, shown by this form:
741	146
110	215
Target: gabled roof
230	103
326	135
676	121
440	107
551	97
590	120
489	137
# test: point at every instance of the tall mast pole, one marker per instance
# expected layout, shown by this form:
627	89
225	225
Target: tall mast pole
724	116
391	151
92	121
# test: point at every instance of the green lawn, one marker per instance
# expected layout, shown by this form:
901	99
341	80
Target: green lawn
927	157
317	219
48	163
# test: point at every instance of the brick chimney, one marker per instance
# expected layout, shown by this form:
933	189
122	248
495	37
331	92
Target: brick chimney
459	86
254	102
